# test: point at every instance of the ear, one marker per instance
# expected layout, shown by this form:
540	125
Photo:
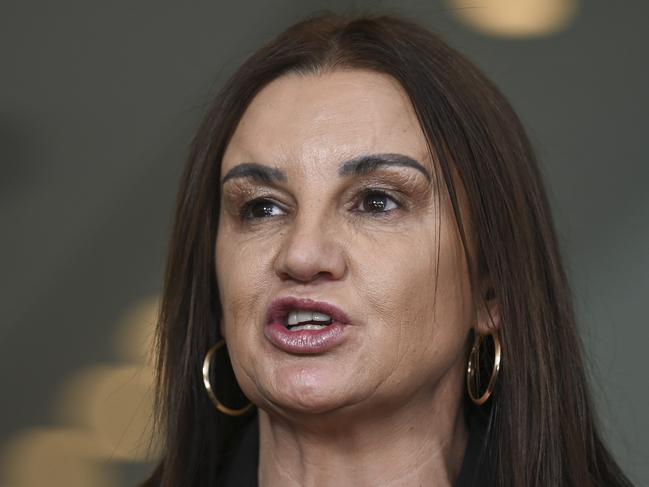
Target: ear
488	312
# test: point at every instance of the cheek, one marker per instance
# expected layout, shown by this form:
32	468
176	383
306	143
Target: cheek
421	297
396	274
241	282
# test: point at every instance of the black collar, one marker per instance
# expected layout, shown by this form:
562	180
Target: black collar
241	465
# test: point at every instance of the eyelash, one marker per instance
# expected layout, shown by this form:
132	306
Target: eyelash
248	207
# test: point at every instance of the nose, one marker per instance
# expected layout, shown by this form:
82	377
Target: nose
311	249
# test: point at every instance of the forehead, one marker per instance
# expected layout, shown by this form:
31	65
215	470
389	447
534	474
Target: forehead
298	120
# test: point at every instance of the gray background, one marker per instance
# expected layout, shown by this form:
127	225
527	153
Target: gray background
98	101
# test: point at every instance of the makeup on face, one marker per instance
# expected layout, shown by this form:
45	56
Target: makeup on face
336	257
380	177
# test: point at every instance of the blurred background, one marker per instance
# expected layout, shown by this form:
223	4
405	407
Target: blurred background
98	103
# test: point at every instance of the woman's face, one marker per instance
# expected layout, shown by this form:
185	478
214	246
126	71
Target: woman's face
339	205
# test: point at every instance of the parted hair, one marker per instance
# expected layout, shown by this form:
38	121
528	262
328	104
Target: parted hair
541	426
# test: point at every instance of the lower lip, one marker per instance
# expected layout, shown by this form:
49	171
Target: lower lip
305	341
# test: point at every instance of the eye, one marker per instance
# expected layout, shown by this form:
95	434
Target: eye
260	208
374	201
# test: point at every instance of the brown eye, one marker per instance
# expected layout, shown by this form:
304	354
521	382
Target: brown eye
260	208
377	202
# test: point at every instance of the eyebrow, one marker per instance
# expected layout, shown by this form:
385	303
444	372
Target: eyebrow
364	164
253	170
369	163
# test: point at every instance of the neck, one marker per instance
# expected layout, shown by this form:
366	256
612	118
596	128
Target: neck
420	443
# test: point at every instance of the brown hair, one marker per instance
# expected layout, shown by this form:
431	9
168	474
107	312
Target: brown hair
541	426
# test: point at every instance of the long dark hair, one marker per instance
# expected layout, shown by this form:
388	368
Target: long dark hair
542	429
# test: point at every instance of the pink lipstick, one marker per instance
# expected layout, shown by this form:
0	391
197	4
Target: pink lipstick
305	341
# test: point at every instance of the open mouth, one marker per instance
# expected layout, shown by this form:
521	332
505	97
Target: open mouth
297	314
305	326
297	320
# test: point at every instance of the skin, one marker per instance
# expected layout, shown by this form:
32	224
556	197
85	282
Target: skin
385	406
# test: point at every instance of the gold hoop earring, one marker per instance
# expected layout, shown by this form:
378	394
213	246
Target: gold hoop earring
207	363
472	372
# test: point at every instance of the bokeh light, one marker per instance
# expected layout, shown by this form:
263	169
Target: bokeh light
55	457
134	339
515	18
115	404
103	414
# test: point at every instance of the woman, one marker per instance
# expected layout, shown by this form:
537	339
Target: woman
364	249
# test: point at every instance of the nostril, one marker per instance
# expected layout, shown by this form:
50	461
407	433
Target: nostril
310	255
305	277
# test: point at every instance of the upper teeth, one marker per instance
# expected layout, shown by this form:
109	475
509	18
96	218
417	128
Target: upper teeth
298	316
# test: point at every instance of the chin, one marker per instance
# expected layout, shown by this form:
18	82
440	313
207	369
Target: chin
311	389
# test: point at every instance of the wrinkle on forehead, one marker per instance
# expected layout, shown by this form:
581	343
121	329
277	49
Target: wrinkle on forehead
306	120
